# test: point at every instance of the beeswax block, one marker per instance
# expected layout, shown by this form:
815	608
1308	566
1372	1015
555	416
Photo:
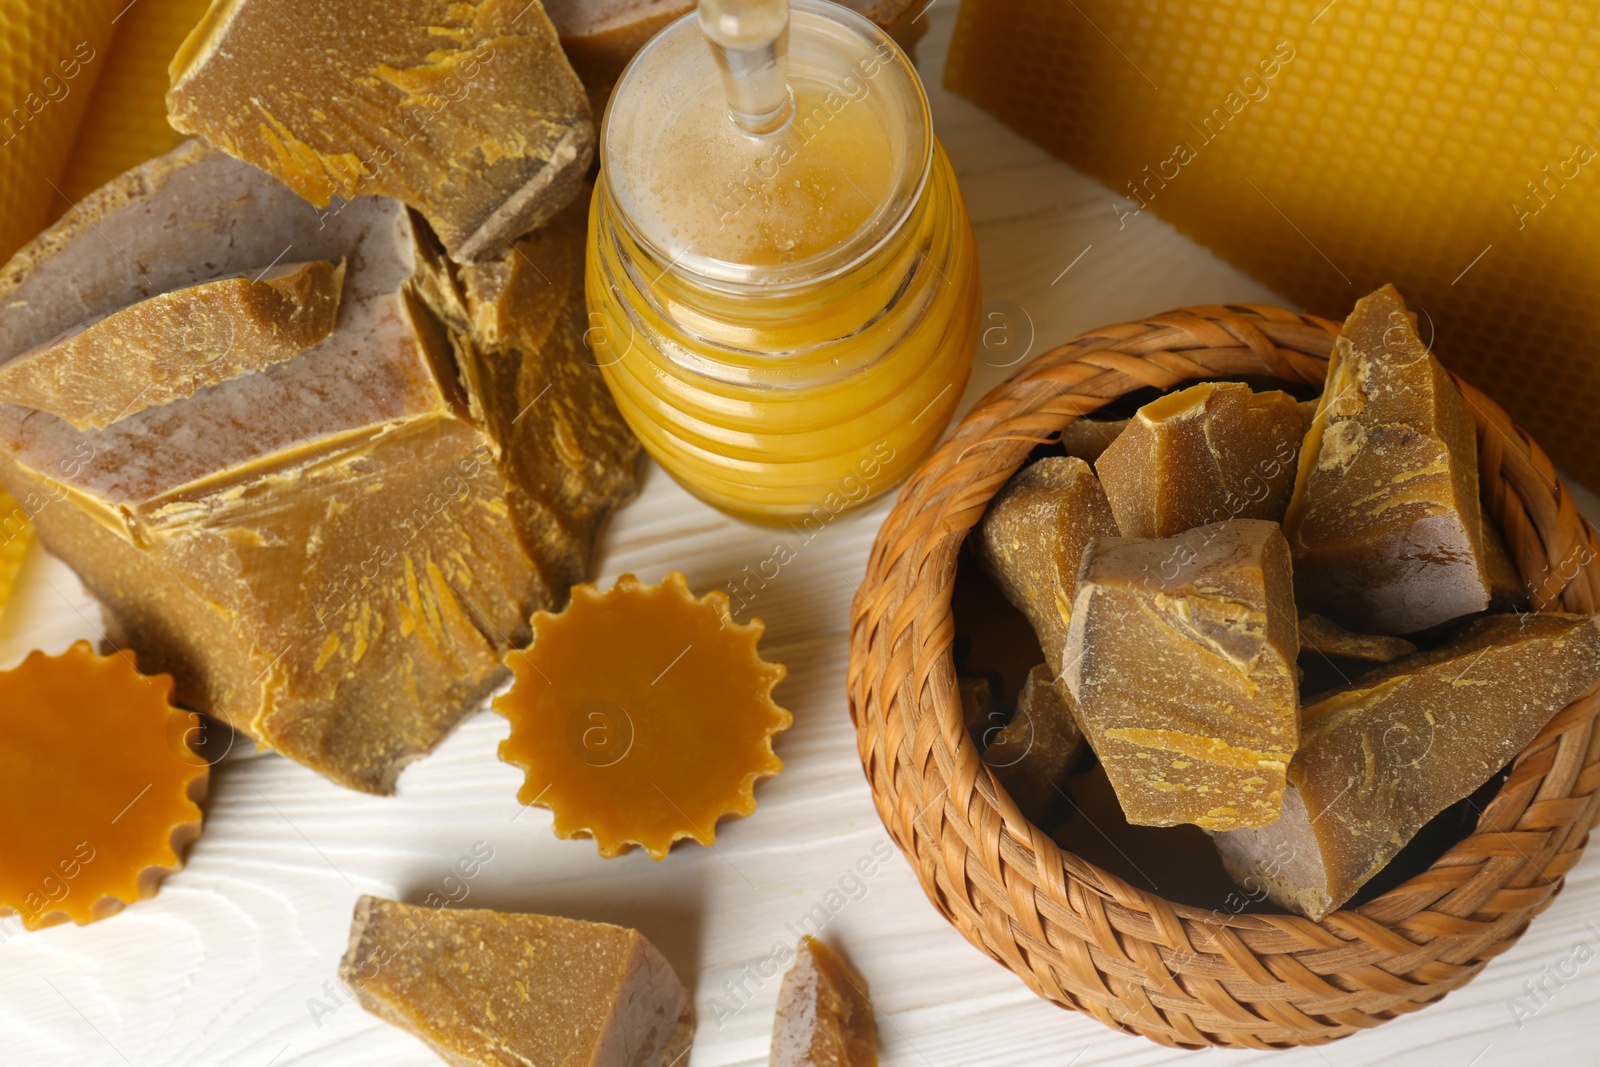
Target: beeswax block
173	345
99	786
323	552
1212	452
1181	656
1089	438
824	1018
642	715
1033	537
470	113
1381	757
1327	638
1385	520
1435	177
489	989
1035	752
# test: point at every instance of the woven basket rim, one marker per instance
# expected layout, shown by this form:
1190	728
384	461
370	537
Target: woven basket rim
984	856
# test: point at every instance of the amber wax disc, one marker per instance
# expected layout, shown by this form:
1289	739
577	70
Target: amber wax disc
642	715
99	786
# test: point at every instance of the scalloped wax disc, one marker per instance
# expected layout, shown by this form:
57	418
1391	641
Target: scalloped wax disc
642	715
99	787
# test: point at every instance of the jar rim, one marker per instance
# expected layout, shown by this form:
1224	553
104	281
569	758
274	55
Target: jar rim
680	39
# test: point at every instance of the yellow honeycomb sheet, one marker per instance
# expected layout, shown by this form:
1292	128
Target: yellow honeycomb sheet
50	57
126	122
1329	147
15	534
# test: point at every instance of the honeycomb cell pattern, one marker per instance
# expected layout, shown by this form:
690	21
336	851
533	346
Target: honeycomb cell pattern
1328	147
50	56
126	122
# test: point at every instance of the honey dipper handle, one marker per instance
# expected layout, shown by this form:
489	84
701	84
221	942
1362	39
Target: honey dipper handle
750	40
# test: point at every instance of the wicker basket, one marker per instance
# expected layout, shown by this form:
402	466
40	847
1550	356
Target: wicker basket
1086	939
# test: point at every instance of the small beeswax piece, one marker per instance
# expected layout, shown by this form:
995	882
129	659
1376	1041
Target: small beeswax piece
1328	638
1033	537
824	1018
489	989
1382	756
99	787
1508	591
16	533
1212	452
642	715
1182	659
977	709
470	113
1089	438
172	345
1385	518
1035	751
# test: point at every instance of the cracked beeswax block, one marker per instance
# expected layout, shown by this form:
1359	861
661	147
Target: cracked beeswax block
824	1018
1181	657
323	552
171	346
489	989
99	787
1212	452
1385	519
1034	753
642	715
468	112
1382	756
1327	638
1032	539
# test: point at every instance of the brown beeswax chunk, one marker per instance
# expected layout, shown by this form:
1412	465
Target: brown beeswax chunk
1032	539
1384	523
1326	637
977	709
824	1018
488	989
1181	656
327	551
1212	452
470	113
1089	438
1382	756
171	346
1036	750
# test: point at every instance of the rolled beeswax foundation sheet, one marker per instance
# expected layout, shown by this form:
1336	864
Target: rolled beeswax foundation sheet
1326	149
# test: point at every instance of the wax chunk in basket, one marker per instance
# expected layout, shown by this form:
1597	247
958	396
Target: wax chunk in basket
1212	452
469	113
172	345
1181	656
1382	756
824	1018
642	715
1033	537
1385	520
487	989
1327	638
99	787
1034	753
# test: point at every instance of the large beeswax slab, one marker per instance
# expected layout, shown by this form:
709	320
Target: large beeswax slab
489	989
1212	452
1033	538
1385	524
324	552
470	113
1382	756
1181	655
1456	158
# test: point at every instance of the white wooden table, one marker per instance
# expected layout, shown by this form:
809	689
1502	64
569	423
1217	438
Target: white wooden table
234	963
